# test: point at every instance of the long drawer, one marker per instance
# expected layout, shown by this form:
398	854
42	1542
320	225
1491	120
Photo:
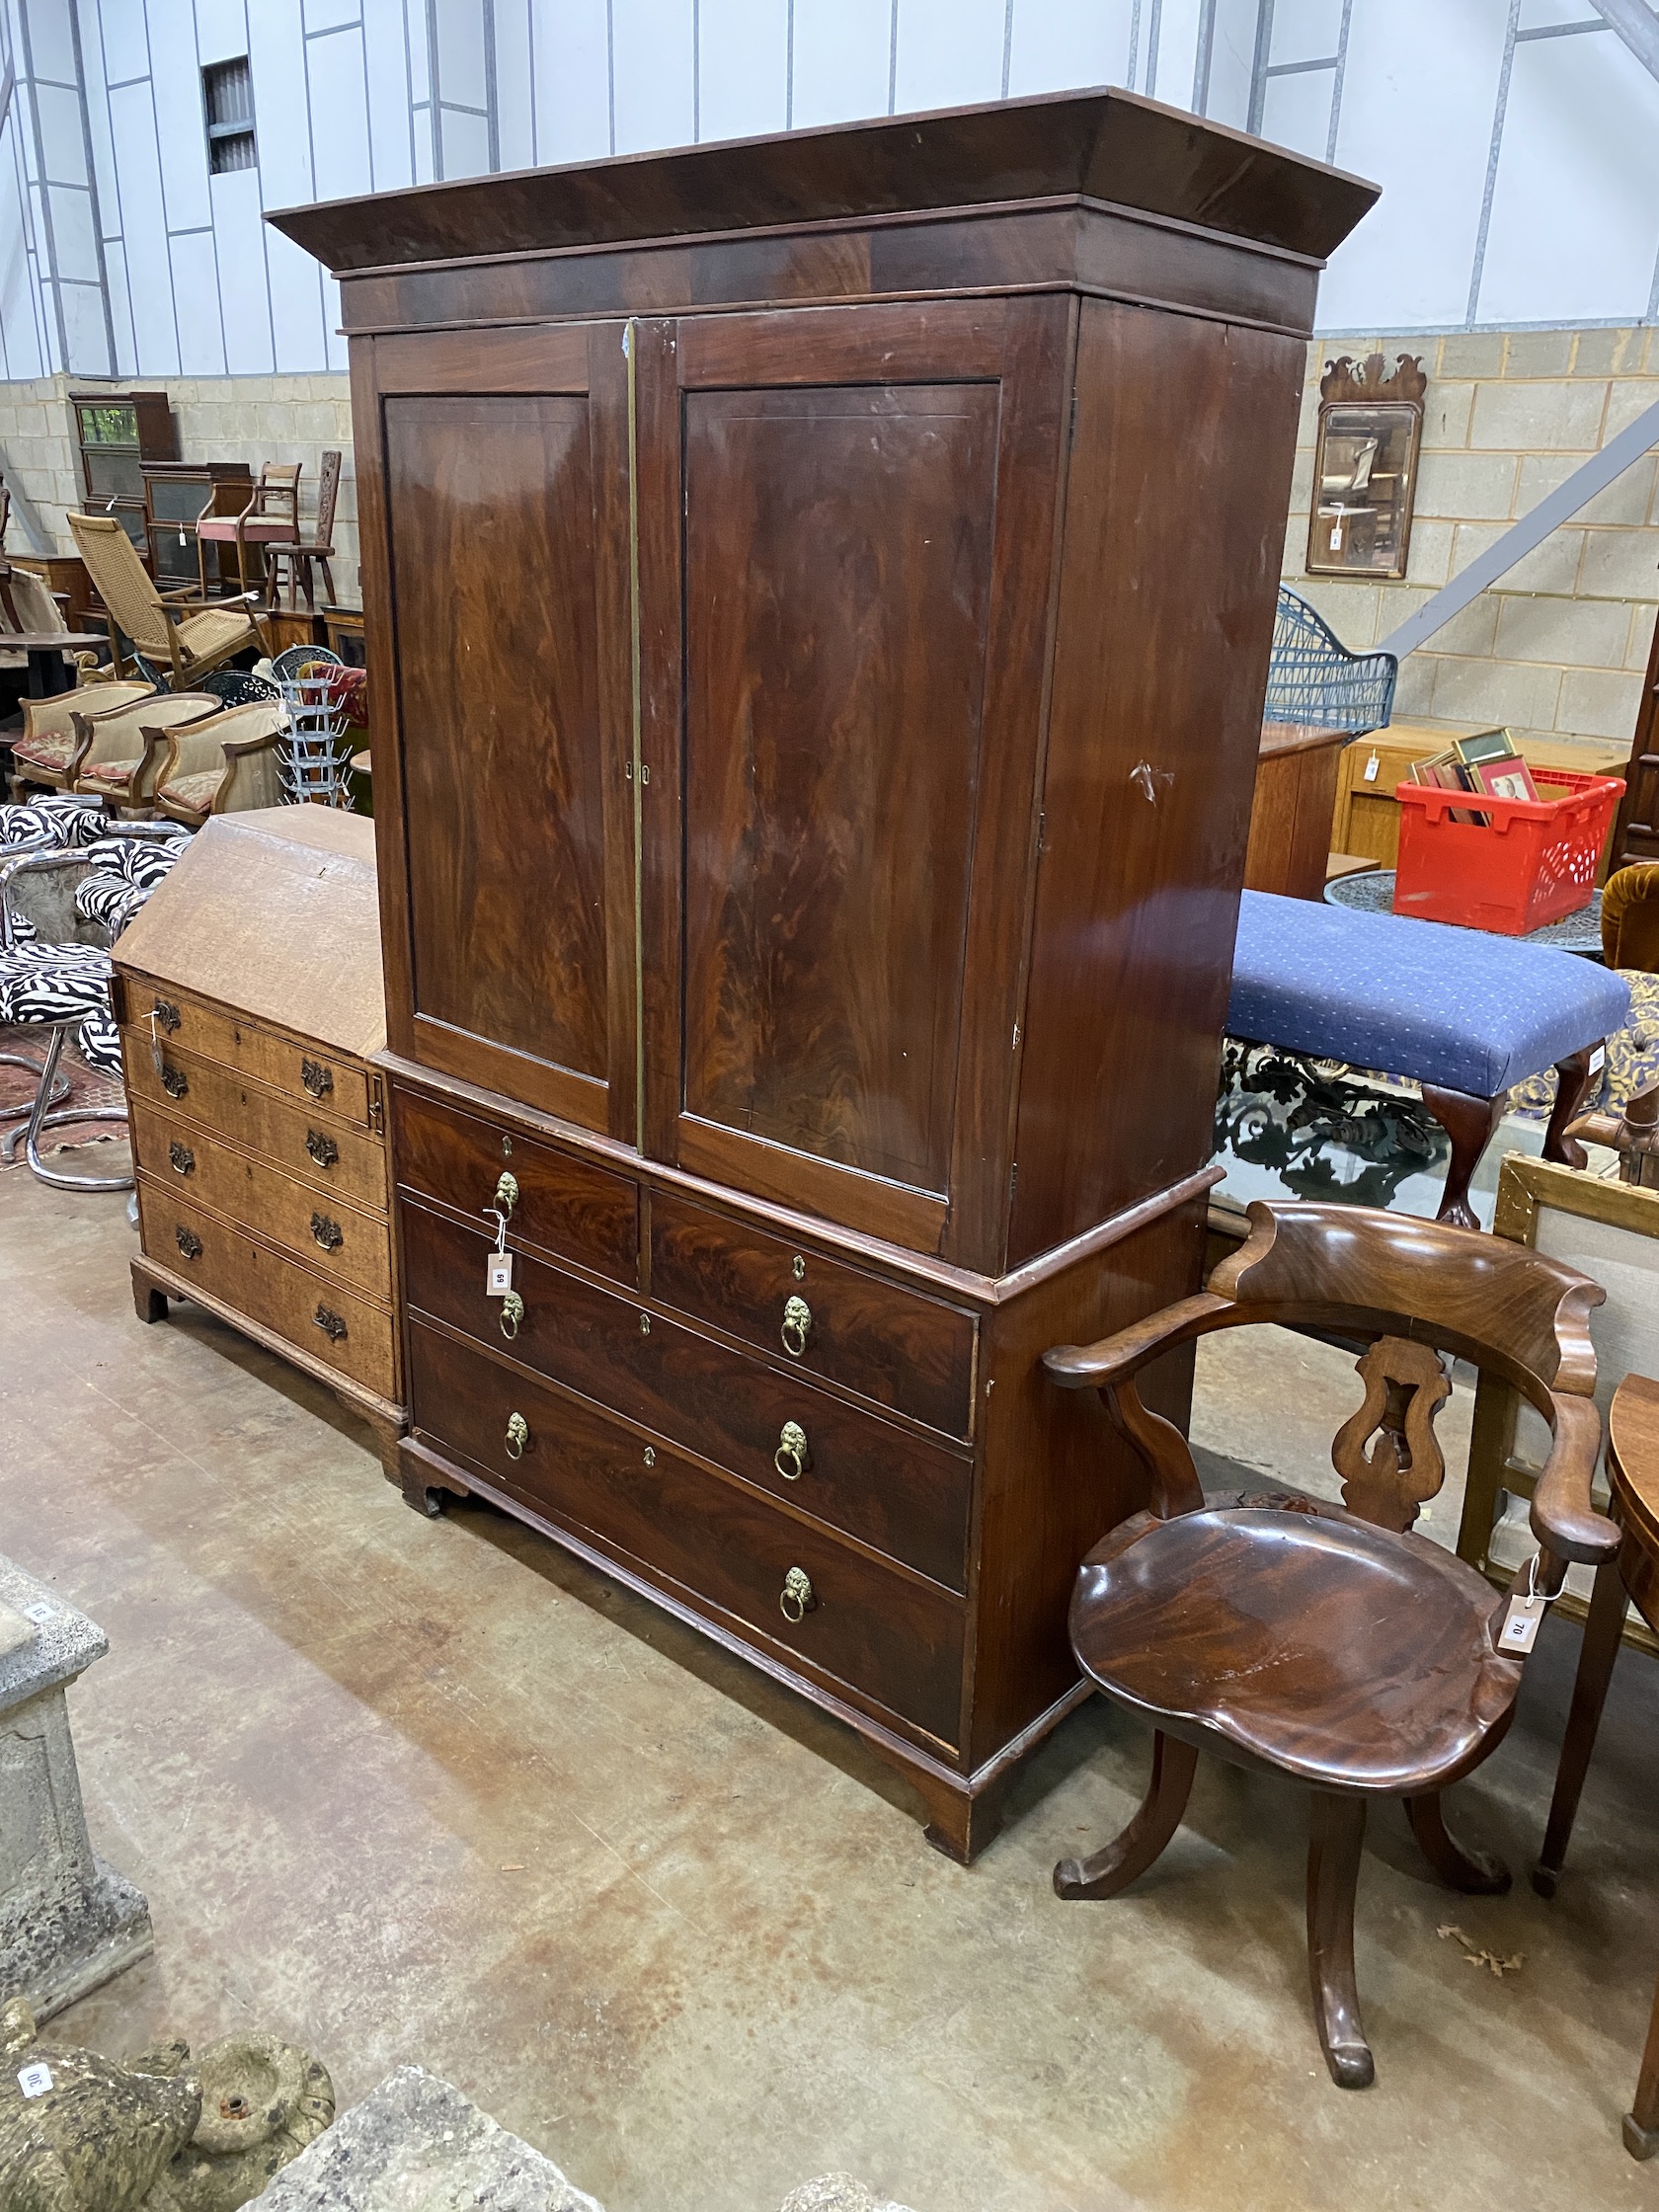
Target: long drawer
334	1241
854	1470
890	1343
332	1080
895	1644
334	1323
300	1139
564	1206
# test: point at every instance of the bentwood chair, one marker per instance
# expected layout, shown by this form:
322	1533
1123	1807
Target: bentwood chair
185	638
270	518
1331	1646
293	560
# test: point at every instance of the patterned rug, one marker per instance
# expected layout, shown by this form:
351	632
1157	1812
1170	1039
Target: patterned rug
87	1087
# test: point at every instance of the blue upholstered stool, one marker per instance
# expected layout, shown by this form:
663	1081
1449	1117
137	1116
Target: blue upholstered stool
1464	1014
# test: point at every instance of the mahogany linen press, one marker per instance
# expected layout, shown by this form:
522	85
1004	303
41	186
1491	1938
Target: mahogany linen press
817	598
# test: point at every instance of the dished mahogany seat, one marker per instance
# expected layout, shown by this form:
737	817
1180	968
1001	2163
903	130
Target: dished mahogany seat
1335	1647
818	596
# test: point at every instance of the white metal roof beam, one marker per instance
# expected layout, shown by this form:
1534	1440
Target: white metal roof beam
1597	473
1637	25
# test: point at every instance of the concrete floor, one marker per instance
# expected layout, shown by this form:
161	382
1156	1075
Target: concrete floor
430	1791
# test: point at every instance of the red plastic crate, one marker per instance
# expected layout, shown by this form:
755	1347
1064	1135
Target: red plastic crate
1530	864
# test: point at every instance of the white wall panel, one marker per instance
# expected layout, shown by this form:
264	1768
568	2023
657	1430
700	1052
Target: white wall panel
842	59
148	269
297	305
181	123
1421	76
1232	56
1296	111
51	43
1180	22
1306	30
126	40
276	59
120	307
742	68
461	77
58	110
515	86
573	81
74	247
85	332
97	121
654	59
466	144
392	144
245	301
196	302
1575	206
328	15
332	338
950	52
334	71
1059	44
222	30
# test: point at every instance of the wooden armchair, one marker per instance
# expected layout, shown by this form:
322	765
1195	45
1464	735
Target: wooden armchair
1334	1646
112	745
172	632
223	767
294	559
270	518
43	753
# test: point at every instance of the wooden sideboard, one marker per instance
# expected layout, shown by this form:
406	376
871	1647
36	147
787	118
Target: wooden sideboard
817	598
250	998
1291	813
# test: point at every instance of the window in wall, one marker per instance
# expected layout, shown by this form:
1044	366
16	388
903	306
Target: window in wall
227	95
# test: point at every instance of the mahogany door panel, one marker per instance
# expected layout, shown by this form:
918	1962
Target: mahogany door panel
845	551
496	527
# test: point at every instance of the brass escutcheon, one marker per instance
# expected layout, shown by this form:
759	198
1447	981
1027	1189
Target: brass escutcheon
181	1158
798	1596
517	1435
645	1324
507	1147
790	1458
797	1268
650	1457
796	1326
512	1314
507	1193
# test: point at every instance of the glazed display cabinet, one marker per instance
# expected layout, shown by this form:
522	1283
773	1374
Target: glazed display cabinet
820	594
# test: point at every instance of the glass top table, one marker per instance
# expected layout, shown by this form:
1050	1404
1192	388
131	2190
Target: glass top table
1372	893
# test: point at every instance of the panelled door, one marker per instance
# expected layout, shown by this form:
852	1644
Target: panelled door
841	736
503	495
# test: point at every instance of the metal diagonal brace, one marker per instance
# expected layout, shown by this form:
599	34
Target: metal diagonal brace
1637	25
1597	473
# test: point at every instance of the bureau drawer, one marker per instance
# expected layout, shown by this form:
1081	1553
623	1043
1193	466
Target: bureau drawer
333	1157
897	1643
352	1336
565	1205
890	1344
330	1080
333	1241
897	1492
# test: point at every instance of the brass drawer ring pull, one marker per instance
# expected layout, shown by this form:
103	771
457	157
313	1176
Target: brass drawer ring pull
512	1314
798	1597
165	1015
329	1234
316	1078
181	1157
188	1242
332	1326
173	1081
322	1149
517	1435
791	1457
796	1326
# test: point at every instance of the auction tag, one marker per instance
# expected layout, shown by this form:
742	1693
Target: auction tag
35	2080
498	1275
155	1043
40	1612
1371	769
1521	1624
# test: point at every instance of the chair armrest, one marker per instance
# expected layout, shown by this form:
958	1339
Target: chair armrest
192	748
1563	1517
42	886
1094	1366
251	775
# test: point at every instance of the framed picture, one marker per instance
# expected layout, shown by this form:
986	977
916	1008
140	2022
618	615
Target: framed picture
1610	1232
1364	467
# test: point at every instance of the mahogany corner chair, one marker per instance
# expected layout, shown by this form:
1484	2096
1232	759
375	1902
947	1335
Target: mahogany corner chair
1336	1647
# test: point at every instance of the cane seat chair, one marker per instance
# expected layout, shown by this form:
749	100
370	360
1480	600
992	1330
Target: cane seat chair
270	518
182	637
1332	1645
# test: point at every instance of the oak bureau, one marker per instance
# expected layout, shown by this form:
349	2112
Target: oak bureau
817	596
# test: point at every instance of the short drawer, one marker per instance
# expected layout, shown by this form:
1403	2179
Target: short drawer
333	1324
851	1469
893	1345
342	1161
564	1206
333	1081
333	1239
895	1644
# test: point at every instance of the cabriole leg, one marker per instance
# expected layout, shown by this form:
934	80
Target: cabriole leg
1130	1854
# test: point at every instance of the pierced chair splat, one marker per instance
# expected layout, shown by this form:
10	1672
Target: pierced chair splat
1333	1645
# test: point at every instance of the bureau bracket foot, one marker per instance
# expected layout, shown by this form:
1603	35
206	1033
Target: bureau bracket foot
961	1823
149	1303
417	1476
